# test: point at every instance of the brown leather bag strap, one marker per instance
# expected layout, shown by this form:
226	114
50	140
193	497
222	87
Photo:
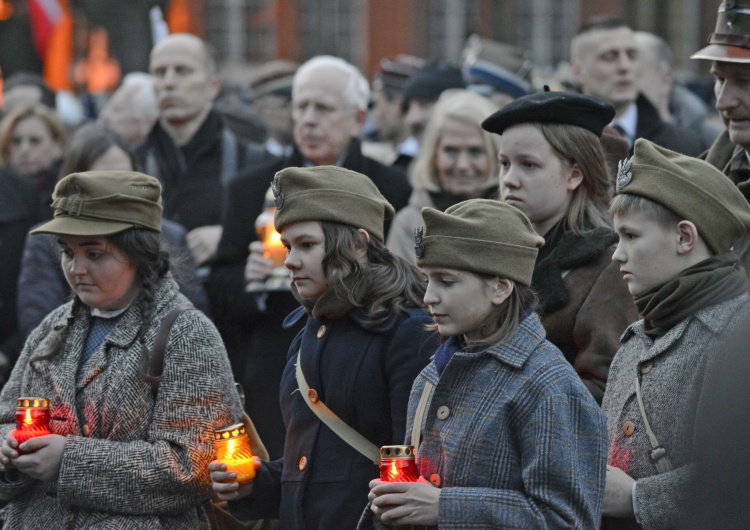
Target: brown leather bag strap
160	343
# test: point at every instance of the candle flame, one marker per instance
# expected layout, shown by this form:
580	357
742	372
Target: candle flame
28	421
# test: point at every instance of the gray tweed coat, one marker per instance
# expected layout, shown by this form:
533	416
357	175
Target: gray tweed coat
131	461
672	371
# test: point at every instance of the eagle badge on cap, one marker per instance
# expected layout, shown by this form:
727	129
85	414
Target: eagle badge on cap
418	243
278	197
624	175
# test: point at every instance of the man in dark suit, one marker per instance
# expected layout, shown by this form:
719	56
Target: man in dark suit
604	63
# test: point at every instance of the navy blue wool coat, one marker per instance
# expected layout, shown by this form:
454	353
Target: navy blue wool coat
364	376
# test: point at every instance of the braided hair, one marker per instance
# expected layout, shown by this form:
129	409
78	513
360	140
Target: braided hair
151	258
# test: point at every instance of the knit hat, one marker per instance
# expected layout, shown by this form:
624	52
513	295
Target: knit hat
431	80
329	193
693	189
553	107
479	235
102	203
730	41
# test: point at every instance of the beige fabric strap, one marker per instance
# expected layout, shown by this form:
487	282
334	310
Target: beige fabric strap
336	424
658	453
416	428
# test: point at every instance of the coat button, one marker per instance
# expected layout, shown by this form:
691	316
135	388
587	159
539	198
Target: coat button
646	367
628	428
321	332
302	463
443	412
435	480
86	430
313	396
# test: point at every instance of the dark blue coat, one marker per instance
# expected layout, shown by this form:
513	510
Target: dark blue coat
364	376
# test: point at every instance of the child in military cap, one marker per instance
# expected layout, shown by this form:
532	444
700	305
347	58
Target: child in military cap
364	341
677	218
506	434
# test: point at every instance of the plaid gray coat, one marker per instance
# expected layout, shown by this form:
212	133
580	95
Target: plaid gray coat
672	370
130	461
513	438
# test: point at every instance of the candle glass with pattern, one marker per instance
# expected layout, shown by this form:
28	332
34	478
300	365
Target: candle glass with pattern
233	449
32	418
397	464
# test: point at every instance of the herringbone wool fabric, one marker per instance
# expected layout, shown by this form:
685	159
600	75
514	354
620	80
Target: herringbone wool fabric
130	461
672	371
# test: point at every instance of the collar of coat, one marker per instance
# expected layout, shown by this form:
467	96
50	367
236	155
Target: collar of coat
515	352
714	318
570	251
355	315
129	324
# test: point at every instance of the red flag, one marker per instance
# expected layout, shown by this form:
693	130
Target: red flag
45	15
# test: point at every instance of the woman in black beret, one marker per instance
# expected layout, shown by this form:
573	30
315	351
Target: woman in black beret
553	169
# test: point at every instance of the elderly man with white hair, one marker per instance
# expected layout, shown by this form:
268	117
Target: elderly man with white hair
329	107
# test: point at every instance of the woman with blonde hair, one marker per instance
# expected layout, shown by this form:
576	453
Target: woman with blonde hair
457	161
553	169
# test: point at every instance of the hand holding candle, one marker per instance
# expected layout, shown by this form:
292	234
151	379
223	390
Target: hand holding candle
273	247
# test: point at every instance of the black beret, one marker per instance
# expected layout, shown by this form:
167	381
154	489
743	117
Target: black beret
567	108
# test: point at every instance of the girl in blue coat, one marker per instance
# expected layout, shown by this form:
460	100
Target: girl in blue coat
506	434
364	342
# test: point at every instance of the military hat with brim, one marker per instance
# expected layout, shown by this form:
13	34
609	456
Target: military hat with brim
103	203
566	108
730	41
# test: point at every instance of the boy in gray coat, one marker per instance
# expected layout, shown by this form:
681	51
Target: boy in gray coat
677	218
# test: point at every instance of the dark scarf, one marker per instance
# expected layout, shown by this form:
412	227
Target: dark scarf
710	282
564	250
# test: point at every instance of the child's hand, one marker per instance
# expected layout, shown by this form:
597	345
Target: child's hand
225	483
8	451
41	458
618	493
404	503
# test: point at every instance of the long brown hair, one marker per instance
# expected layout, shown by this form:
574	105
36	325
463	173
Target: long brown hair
384	285
578	146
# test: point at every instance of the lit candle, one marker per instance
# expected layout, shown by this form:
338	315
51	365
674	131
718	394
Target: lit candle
32	418
273	247
397	464
233	448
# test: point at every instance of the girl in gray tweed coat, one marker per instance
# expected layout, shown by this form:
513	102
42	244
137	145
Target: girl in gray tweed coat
506	434
127	449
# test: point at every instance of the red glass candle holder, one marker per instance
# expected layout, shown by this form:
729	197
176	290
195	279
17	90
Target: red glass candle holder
397	463
32	418
233	449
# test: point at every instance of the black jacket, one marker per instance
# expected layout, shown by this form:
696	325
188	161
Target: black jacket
652	127
19	211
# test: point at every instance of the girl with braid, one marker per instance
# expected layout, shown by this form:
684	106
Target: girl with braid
129	445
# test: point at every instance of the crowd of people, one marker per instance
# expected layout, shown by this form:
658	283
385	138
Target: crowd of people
544	292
